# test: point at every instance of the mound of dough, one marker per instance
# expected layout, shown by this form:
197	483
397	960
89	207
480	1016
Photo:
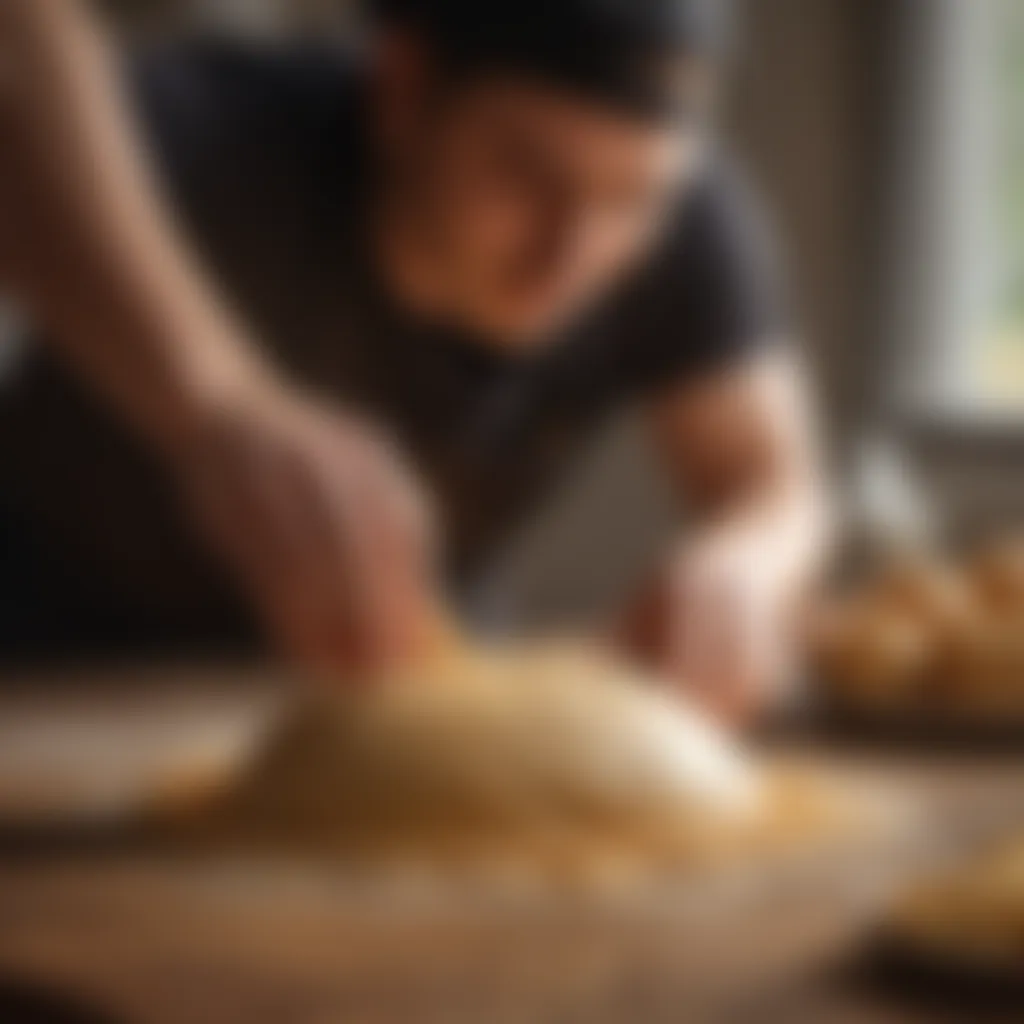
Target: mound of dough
546	749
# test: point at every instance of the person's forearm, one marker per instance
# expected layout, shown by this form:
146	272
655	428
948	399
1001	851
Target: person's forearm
787	529
746	451
85	245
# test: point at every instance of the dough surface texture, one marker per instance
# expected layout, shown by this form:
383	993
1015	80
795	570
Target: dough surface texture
542	749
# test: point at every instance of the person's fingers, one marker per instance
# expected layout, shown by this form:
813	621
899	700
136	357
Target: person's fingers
718	653
410	513
647	628
323	528
396	546
712	633
383	569
315	589
730	647
695	640
732	705
751	665
353	586
253	515
405	557
254	504
313	557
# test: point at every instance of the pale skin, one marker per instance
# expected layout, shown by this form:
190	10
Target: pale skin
722	614
314	510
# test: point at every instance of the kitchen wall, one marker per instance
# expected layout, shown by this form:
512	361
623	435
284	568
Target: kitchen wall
808	116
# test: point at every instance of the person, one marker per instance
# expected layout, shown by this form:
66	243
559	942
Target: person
299	289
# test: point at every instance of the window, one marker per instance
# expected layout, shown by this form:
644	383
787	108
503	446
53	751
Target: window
1000	371
957	274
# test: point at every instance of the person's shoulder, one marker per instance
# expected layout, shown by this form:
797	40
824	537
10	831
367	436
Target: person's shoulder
721	216
718	253
711	289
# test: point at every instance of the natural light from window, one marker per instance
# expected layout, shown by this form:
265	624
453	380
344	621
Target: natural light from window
999	371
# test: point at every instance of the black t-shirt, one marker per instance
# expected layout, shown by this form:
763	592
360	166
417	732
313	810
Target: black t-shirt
264	157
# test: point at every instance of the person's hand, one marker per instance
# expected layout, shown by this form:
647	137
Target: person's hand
321	523
716	621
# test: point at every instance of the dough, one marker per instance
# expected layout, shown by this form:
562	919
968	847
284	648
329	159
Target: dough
540	752
974	912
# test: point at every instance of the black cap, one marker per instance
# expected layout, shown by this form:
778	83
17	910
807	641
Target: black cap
629	52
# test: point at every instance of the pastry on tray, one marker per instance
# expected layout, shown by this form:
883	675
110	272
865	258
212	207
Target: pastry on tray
930	638
969	920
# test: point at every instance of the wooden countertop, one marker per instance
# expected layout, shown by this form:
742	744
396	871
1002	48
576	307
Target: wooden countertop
146	939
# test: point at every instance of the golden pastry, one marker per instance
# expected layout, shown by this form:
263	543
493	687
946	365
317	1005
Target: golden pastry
983	671
875	657
928	590
974	914
997	572
926	635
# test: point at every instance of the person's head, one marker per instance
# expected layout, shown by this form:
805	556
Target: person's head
537	146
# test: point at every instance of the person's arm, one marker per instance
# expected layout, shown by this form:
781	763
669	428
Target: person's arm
84	244
743	447
310	509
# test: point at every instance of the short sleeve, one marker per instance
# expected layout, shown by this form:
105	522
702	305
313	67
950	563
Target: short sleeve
711	295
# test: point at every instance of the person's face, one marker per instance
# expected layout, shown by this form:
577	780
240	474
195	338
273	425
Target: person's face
535	202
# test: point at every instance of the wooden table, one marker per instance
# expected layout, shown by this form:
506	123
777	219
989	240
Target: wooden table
137	936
